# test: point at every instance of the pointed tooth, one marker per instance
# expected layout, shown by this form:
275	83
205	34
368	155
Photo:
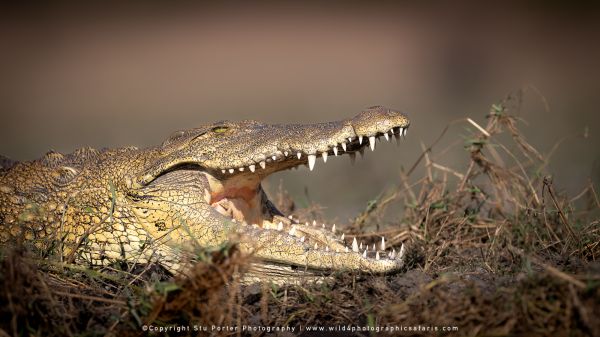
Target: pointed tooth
241	169
343	236
316	246
290	217
311	161
306	223
252	168
360	138
354	246
404	132
401	131
393	254
302	239
352	157
364	255
349	139
347	250
387	137
372	142
335	150
323	225
274	158
314	222
344	146
383	243
299	154
360	247
377	256
326	248
263	164
280	226
223	171
293	230
401	252
231	170
374	247
333	228
285	153
324	155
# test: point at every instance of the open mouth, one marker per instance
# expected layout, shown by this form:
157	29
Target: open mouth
236	193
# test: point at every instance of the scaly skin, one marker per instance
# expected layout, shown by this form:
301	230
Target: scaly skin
201	187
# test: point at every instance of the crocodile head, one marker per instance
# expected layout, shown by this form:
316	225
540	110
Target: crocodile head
232	158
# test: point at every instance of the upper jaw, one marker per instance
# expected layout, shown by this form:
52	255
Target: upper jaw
302	144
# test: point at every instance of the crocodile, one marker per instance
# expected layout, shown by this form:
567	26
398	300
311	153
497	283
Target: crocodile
200	188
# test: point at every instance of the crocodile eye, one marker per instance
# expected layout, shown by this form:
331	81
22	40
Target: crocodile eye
220	129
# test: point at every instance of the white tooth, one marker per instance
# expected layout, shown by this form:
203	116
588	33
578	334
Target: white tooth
349	139
377	256
233	220
382	243
360	245
344	146
364	254
290	217
374	247
404	132
347	250
391	131
393	254
354	246
343	235
326	248
372	142
324	155
401	252
231	170
387	137
280	226
252	167
333	228
400	131
316	246
241	169
285	153
299	154
335	151
306	223
360	140
263	164
352	157
311	161
314	222
302	239
223	171
293	230
323	225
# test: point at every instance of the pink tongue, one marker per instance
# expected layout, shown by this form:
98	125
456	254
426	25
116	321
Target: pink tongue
237	209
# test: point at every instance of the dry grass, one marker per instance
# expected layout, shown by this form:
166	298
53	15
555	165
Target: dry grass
495	250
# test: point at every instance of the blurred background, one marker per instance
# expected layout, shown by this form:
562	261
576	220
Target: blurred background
115	75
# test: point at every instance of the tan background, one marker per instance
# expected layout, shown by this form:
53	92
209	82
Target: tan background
113	76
